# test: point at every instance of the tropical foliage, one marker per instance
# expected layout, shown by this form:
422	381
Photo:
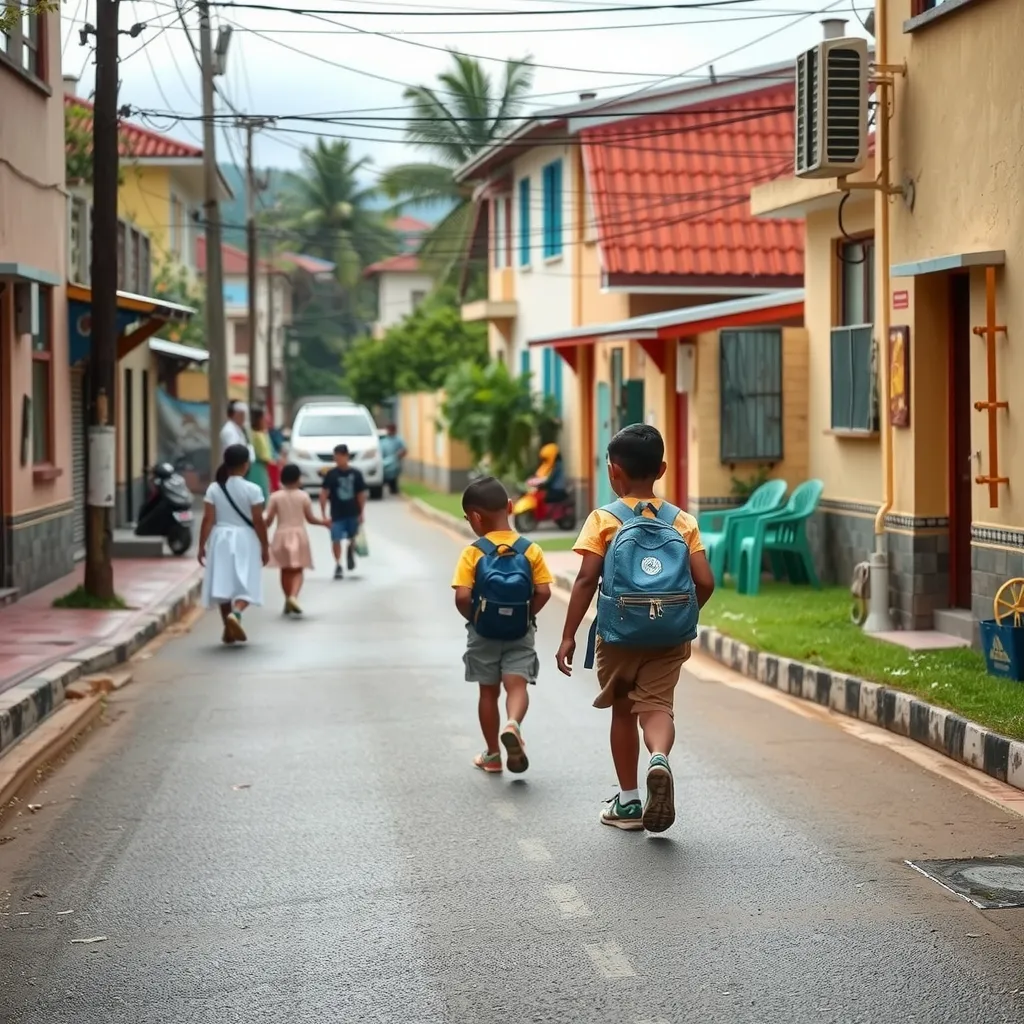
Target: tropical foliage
498	417
464	113
326	211
171	282
416	354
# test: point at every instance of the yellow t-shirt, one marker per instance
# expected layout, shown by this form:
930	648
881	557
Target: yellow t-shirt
465	571
601	526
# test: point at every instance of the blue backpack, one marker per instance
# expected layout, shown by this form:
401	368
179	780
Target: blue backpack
647	597
502	590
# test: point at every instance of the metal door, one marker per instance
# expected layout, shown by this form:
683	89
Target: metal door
603	424
78	459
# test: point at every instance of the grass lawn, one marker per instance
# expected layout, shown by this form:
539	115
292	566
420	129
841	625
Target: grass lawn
814	626
452	504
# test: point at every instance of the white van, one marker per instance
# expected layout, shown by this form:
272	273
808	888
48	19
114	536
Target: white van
321	425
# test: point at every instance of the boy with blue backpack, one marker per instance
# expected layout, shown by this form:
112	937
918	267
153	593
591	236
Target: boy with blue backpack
644	559
501	582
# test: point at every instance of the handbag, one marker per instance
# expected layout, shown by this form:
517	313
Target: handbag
361	545
231	502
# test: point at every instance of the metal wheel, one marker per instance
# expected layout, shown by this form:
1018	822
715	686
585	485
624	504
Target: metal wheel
1009	601
180	540
526	522
567	522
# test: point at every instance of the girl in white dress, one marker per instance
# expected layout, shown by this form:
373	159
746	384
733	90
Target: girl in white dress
233	543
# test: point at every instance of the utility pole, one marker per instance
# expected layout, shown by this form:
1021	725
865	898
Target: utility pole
215	343
252	245
270	336
101	450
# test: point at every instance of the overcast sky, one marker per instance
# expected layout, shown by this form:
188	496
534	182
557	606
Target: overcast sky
282	62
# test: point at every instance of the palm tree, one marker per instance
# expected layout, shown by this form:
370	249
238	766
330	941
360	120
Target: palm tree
326	207
454	120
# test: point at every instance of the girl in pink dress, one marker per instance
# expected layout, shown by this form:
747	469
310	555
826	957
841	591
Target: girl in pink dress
289	550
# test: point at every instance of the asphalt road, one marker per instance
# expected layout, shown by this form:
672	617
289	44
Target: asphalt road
292	832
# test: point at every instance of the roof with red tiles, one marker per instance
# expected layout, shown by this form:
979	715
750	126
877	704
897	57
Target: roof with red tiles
406	225
406	263
234	261
671	191
312	265
133	139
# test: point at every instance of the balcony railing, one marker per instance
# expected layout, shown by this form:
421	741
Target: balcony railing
133	268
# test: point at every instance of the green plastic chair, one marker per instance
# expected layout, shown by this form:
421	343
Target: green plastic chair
722	544
782	536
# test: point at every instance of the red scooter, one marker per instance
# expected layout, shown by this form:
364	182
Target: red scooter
533	508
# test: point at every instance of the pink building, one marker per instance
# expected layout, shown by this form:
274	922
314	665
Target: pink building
35	402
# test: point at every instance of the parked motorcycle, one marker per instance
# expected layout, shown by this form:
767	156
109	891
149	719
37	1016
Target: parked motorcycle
168	510
548	496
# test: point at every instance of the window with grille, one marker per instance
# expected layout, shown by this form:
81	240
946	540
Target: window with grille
750	368
23	44
852	349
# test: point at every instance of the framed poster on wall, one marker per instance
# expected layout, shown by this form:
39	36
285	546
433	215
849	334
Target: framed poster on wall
899	376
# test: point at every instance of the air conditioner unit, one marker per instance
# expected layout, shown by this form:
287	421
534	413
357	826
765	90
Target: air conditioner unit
832	109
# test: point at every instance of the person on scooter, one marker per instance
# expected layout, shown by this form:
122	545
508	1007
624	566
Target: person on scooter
550	475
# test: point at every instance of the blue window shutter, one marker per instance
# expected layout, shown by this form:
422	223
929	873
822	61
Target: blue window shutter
556	212
546	378
557	390
546	183
524	362
524	222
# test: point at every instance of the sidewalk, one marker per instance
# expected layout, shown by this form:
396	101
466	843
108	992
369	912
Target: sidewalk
43	649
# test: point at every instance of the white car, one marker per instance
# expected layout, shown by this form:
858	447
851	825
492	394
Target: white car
320	426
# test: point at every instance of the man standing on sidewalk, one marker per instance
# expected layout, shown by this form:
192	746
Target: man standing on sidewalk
233	431
392	450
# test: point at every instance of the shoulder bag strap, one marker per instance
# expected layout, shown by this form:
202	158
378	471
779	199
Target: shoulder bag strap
620	510
522	545
488	547
231	501
667	512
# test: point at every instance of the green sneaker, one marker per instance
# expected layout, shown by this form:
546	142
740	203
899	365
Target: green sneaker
625	816
660	809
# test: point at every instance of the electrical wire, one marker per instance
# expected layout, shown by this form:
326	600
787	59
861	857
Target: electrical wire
694	5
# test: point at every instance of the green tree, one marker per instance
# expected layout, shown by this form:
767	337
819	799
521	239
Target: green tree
416	354
326	210
462	115
11	13
77	145
171	282
498	417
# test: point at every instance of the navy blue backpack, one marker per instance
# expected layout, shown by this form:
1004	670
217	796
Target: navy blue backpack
647	597
502	590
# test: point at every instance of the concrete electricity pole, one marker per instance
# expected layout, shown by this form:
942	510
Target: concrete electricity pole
101	452
270	335
215	342
253	255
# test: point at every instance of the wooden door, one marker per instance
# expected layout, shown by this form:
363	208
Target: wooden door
962	462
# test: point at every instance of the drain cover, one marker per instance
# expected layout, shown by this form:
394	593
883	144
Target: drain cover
990	883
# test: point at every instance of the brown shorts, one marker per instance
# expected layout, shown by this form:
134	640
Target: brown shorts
645	675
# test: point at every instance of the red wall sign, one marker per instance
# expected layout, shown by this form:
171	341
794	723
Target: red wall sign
901	300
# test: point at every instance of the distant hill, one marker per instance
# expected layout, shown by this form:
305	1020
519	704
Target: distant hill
233	211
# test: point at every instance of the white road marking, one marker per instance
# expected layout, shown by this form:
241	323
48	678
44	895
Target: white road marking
534	849
505	810
568	901
609	960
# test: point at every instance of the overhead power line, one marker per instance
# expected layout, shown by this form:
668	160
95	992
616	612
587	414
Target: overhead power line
698	5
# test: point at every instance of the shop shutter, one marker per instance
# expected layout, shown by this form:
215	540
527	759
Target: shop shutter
78	457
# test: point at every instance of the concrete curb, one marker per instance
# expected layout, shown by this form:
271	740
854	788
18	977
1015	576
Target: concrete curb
435	515
875	703
958	738
32	701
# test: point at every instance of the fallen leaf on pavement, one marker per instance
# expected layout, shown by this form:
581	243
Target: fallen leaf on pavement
243	785
35	807
6	839
86	942
62	913
37	895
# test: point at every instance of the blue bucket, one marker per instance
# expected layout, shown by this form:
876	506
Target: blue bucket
1004	649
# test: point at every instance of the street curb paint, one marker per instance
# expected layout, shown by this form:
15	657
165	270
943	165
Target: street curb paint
34	700
875	703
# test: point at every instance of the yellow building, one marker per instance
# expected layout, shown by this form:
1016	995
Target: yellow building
628	275
955	526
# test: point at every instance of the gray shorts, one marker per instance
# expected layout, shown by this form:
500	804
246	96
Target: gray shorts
487	661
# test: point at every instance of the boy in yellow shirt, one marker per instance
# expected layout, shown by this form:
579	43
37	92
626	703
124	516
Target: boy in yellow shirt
638	681
501	582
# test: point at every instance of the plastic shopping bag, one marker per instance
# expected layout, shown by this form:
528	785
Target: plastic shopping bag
362	547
